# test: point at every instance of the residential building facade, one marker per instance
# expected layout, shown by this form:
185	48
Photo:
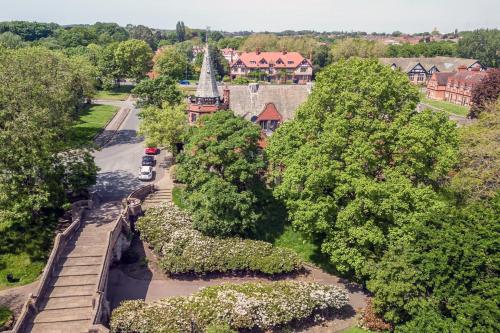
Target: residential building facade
276	67
420	70
455	87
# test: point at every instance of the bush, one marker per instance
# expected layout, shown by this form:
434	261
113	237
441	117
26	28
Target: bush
182	249
242	306
241	80
220	328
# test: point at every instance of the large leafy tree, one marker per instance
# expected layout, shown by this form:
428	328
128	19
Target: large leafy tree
180	31
358	162
485	92
133	58
220	165
11	40
352	47
478	174
172	63
444	277
157	92
164	126
143	33
40	93
29	31
482	44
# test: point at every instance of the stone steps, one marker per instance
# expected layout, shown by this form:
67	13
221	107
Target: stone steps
74	280
83	251
81	261
68	291
76	326
62	315
55	303
77	270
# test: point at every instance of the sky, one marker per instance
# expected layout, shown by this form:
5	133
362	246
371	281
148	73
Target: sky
408	16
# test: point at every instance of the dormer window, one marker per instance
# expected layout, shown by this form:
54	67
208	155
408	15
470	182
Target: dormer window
290	62
253	62
263	61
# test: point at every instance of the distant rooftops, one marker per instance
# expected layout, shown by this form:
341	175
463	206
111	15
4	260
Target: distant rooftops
442	64
282	59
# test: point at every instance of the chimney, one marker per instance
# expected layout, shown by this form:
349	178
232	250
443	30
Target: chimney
462	68
257	51
226	95
284	51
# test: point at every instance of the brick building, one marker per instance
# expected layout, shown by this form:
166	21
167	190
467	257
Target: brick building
455	87
277	67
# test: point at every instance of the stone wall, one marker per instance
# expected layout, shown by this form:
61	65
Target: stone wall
249	100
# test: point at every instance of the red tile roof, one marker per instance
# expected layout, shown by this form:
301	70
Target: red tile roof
277	59
469	77
270	112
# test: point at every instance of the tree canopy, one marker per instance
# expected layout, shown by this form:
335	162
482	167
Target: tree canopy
157	92
358	162
133	58
485	92
482	44
220	166
355	47
172	63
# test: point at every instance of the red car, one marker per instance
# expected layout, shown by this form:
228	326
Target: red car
152	151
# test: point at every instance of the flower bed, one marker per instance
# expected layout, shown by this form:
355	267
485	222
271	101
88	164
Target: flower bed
182	249
241	306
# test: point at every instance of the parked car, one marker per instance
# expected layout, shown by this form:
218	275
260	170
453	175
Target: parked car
148	160
184	82
146	173
152	151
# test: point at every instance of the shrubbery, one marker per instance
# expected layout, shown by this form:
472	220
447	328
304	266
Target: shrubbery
243	306
182	249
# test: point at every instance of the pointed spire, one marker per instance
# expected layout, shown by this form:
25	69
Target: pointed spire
207	85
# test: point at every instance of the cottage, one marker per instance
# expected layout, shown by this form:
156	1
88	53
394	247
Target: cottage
278	67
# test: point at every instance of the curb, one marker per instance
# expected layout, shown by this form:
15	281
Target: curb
119	124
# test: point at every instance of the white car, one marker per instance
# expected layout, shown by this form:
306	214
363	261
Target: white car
146	173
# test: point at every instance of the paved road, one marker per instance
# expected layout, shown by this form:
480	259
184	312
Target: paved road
119	161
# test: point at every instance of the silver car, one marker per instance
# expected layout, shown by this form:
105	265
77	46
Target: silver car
146	173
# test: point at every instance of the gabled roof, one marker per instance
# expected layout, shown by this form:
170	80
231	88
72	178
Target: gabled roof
207	84
289	59
270	112
468	77
443	64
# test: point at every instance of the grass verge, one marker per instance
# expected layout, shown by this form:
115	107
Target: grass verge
355	329
178	197
447	107
120	93
18	270
92	120
5	317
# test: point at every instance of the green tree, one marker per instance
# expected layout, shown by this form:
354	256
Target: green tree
220	165
29	31
40	93
353	47
443	277
133	58
76	36
485	92
358	162
157	92
482	44
165	126
478	174
143	33
172	63
11	40
180	31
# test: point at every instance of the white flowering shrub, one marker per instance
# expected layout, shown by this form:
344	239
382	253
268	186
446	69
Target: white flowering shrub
182	249
239	306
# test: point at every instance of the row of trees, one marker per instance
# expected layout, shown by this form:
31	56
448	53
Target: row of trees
400	201
41	93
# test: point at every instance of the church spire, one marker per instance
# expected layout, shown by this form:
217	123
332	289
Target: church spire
207	84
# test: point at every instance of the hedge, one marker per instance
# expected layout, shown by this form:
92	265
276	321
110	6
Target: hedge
237	306
182	249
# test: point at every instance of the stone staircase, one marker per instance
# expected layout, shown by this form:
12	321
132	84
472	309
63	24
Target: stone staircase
66	306
157	198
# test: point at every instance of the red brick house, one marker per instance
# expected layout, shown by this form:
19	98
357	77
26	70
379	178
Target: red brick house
278	67
455	87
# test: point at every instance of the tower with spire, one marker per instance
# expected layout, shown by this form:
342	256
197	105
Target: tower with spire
207	98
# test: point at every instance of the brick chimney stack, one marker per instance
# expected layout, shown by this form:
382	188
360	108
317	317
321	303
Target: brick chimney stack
462	68
257	51
284	51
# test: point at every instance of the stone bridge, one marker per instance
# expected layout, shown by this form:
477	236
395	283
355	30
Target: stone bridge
71	295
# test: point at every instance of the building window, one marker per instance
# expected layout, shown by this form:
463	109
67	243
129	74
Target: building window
253	62
411	76
421	77
290	62
303	69
193	117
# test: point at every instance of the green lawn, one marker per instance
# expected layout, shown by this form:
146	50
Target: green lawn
5	315
447	106
92	120
120	93
22	269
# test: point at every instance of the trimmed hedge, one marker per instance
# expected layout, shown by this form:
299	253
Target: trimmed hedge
182	249
239	306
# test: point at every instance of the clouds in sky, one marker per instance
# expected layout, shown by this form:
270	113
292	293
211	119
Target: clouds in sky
266	15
